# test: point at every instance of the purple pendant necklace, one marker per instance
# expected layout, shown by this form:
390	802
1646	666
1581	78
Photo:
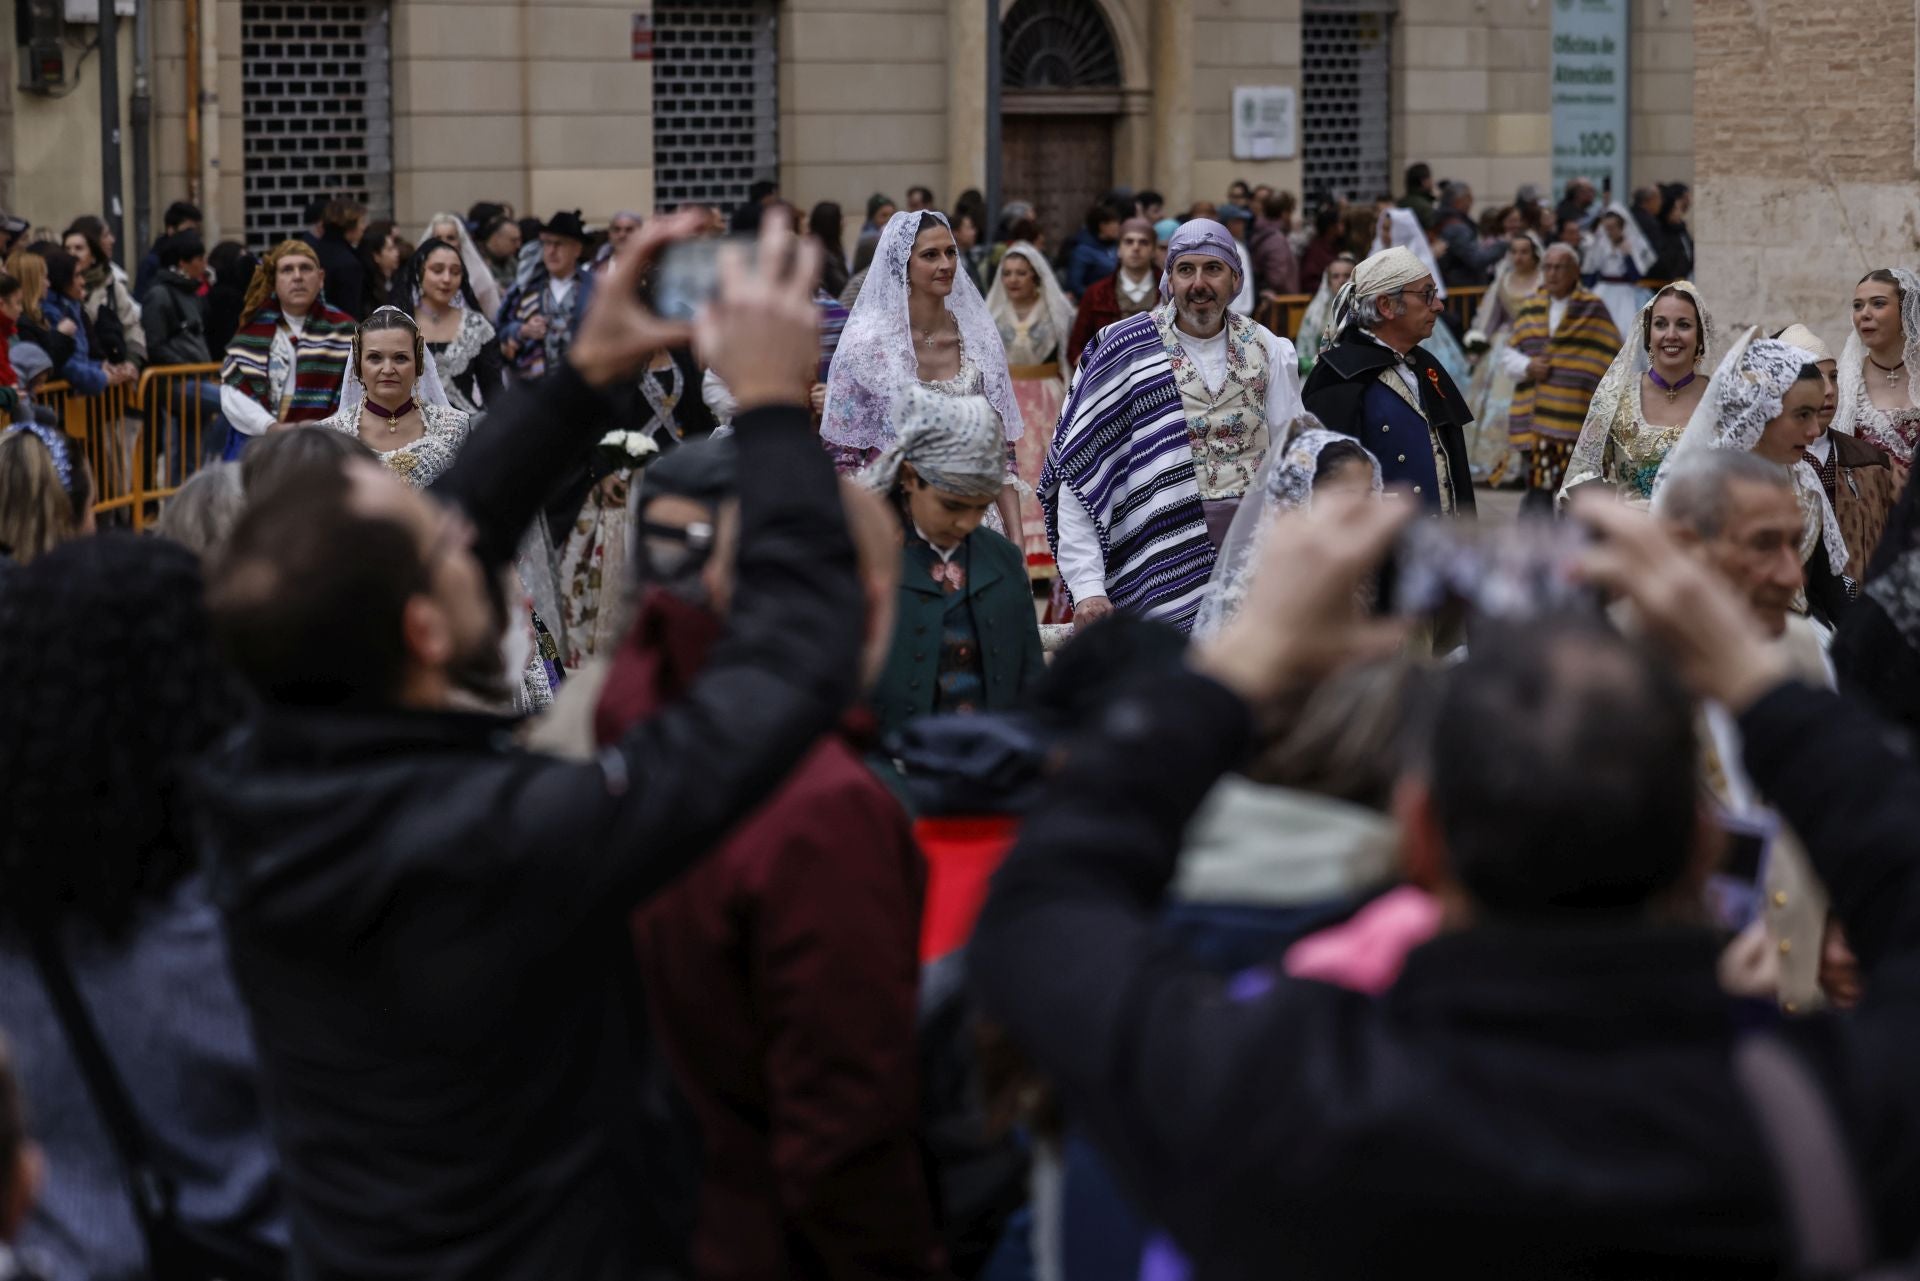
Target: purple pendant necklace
1672	389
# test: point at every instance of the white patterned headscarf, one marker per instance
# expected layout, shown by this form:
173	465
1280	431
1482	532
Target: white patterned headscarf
1853	358
875	360
953	443
1748	391
1383	272
1059	311
1285	485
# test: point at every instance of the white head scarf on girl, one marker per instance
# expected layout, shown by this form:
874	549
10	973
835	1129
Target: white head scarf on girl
1853	358
1285	485
1622	376
1747	392
1059	311
953	442
479	274
875	361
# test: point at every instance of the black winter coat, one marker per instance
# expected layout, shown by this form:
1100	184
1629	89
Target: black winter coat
429	925
1523	1102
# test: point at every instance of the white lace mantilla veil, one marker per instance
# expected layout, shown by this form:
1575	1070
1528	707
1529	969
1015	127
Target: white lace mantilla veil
1629	366
874	361
1642	253
1059	310
479	273
427	388
1744	396
1285	484
1405	233
1853	358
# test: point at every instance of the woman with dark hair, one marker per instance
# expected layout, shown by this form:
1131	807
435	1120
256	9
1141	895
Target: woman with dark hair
499	240
88	369
823	224
453	321
381	256
1879	371
231	269
1676	201
392	400
46	492
117	688
110	307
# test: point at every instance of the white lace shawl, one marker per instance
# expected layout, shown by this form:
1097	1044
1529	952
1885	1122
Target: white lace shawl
1853	359
479	271
1059	310
1623	375
1600	248
1746	394
1285	484
875	360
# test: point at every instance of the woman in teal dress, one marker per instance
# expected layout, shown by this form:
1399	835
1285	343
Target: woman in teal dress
965	638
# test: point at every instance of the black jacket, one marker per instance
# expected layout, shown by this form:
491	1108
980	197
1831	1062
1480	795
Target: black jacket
175	320
429	925
1339	381
346	283
1521	1103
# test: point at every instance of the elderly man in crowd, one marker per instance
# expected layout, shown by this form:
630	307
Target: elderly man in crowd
1563	341
1736	512
540	317
1152	456
1378	385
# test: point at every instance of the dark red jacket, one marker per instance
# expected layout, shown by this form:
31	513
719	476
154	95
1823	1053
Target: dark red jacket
783	972
1099	307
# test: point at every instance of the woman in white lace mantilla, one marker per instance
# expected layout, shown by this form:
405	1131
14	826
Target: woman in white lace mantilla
1647	398
1035	319
1616	257
1765	399
1314	462
1490	450
1880	366
393	403
920	319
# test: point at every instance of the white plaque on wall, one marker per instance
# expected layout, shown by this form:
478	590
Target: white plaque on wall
1263	122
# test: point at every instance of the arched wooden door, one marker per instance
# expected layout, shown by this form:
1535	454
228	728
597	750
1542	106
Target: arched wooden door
1060	96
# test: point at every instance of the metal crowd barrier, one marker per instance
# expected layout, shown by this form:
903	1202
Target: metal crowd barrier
141	440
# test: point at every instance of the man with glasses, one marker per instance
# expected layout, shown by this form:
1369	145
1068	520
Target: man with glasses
1563	341
538	319
1377	383
1165	430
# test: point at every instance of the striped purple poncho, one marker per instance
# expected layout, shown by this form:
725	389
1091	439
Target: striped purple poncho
1122	449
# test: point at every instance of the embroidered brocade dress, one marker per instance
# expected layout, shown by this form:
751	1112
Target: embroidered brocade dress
1033	360
1490	450
1635	449
1895	431
422	462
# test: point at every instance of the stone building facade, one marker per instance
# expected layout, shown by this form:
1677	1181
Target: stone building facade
430	104
1805	126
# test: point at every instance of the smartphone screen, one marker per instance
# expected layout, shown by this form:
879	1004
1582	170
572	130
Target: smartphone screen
686	276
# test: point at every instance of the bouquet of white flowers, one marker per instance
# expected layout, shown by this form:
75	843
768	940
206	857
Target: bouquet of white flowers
626	450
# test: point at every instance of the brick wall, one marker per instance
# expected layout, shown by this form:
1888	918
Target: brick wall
1804	151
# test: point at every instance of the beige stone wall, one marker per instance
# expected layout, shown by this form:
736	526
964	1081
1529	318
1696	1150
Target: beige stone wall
540	104
1470	93
1238	42
1660	113
1805	182
864	88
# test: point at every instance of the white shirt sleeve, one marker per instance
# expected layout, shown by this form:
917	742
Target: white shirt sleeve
244	412
1513	362
1283	383
1080	560
718	398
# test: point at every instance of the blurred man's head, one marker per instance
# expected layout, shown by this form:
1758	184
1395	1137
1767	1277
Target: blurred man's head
1738	512
1555	782
342	586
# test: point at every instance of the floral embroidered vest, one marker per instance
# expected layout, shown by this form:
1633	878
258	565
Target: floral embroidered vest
1227	429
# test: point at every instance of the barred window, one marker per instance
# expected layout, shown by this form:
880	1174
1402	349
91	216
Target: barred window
1345	125
716	120
317	108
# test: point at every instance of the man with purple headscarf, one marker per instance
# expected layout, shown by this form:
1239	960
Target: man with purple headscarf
1164	431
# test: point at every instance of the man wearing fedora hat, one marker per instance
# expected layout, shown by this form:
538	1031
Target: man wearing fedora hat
538	319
